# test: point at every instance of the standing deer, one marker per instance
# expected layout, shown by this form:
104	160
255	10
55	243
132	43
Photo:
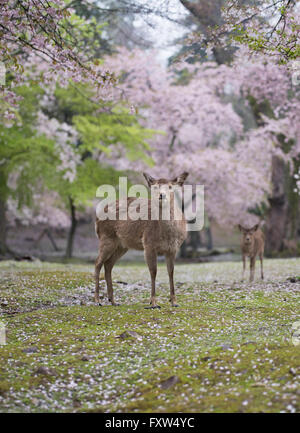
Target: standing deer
252	244
155	237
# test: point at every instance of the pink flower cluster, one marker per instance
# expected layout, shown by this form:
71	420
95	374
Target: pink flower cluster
34	30
202	130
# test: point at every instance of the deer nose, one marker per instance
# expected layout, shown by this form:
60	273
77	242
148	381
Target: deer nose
162	196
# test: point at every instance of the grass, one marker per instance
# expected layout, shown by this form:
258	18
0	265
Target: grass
228	345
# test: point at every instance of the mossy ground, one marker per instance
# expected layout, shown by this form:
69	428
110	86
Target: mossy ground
229	343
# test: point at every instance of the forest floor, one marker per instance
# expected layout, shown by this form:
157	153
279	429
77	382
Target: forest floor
231	346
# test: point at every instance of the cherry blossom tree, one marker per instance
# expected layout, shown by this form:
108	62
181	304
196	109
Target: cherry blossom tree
205	135
35	29
233	126
77	130
267	26
23	157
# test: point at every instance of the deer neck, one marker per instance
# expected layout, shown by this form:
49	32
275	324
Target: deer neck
174	211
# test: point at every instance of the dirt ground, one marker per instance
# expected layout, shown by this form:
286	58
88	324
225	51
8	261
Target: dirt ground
231	346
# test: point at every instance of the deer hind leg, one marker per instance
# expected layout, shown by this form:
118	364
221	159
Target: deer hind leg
170	266
108	265
252	268
106	249
98	266
261	257
151	259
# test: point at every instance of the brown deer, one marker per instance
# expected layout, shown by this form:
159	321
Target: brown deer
252	244
155	237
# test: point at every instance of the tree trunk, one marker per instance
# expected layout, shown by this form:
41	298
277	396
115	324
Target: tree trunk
3	227
293	211
71	234
277	217
209	238
195	240
208	15
182	251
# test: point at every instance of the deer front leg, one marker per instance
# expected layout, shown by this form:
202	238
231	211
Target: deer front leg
244	267
151	259
252	268
110	292
261	266
170	266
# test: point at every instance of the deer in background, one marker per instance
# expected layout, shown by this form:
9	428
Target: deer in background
155	237
252	244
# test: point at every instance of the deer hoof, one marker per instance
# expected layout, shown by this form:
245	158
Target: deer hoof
175	305
98	303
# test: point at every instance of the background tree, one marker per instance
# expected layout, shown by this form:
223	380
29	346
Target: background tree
234	158
34	30
24	156
83	134
46	44
233	110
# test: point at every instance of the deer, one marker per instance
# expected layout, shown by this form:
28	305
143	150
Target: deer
252	244
153	236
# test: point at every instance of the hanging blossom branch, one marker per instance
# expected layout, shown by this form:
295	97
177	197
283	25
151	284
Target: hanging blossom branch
159	8
34	29
270	27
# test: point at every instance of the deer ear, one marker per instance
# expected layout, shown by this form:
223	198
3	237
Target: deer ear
255	228
181	178
150	180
